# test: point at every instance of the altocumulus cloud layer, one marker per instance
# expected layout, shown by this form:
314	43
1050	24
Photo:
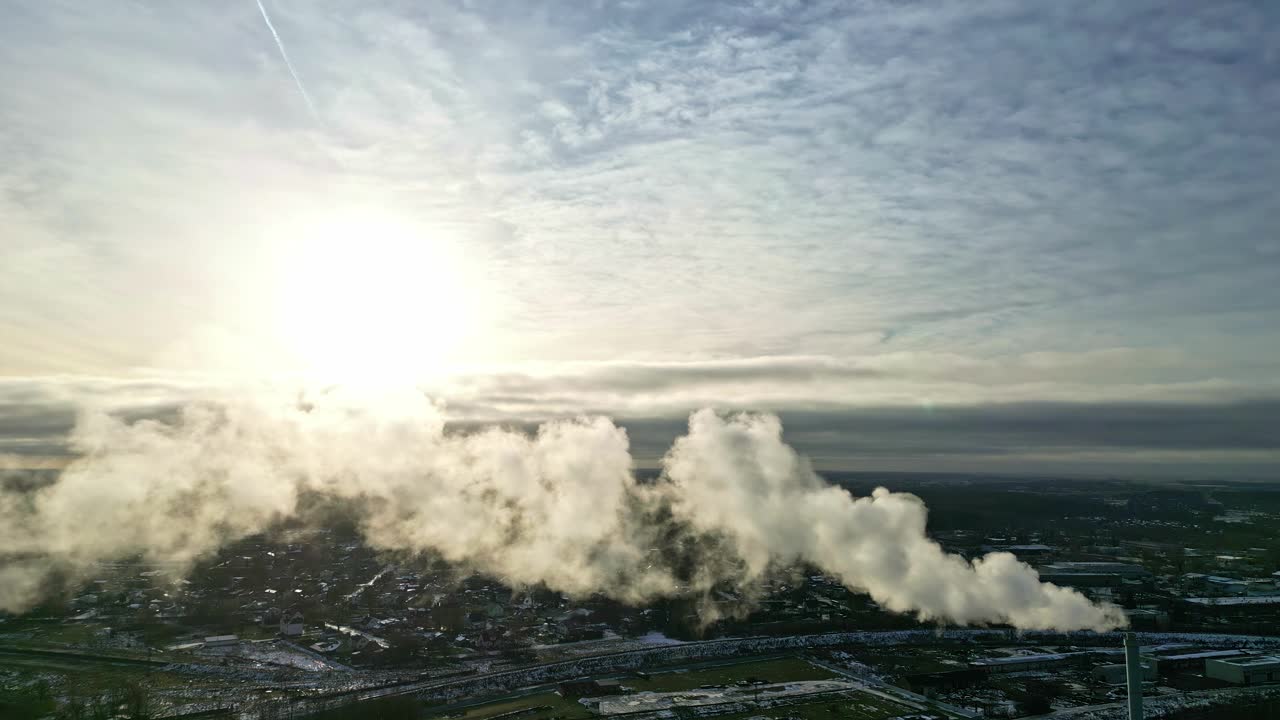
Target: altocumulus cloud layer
559	506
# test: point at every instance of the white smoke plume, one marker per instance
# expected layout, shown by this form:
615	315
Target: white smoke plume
561	507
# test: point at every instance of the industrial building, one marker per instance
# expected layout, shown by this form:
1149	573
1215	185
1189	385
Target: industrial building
221	641
1148	618
1083	580
1022	663
1194	661
1092	574
1225	586
1125	570
1115	674
1244	670
1231	608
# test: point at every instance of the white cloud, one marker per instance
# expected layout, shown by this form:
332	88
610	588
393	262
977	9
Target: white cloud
668	183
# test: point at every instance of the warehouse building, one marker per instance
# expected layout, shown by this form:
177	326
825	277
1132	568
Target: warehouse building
1023	663
1232	608
1244	670
1193	662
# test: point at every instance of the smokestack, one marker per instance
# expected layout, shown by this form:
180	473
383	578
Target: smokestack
1133	675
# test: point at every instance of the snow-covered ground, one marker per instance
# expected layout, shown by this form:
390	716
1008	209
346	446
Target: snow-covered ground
358	633
602	646
274	652
640	702
657	638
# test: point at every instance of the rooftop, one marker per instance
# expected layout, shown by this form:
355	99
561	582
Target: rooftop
1254	661
1204	654
1219	579
1263	600
1019	659
1093	567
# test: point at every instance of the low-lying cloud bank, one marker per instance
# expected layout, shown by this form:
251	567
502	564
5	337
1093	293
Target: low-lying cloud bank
1120	411
1127	438
560	506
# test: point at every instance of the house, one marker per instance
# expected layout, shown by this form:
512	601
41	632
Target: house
448	617
291	624
271	616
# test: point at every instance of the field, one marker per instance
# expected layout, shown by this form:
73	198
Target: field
770	671
541	706
548	705
863	707
913	660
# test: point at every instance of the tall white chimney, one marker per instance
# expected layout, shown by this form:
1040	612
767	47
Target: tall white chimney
1133	675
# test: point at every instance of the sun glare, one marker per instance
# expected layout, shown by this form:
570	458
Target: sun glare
369	299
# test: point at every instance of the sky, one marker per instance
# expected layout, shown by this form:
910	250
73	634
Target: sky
976	237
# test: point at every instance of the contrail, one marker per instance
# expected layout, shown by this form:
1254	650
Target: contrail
289	63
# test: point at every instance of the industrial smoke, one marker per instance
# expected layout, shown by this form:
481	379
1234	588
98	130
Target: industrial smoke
560	507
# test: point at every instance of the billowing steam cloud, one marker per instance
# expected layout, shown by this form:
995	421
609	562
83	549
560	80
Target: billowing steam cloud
561	507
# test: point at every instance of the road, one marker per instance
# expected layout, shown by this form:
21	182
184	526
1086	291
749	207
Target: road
64	656
507	681
379	685
892	692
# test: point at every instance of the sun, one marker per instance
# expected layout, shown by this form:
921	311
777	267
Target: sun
369	298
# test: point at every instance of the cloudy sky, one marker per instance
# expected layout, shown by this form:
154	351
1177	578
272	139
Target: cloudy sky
1005	236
